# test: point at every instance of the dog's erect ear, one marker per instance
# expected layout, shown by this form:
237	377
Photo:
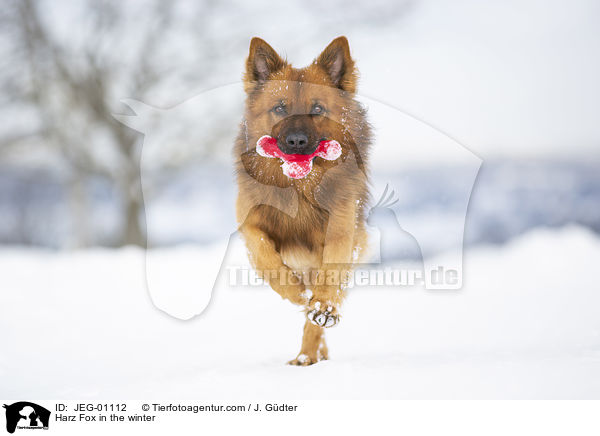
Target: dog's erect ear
262	62
338	64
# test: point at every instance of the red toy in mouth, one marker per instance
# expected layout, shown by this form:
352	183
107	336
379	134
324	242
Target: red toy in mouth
297	166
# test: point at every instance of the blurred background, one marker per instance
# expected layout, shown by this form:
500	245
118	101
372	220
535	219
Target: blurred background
514	82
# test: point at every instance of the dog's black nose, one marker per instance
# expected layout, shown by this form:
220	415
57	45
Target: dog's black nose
297	141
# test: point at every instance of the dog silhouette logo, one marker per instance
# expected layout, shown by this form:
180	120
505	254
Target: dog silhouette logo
26	415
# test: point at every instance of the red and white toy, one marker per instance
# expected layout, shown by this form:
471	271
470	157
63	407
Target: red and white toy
297	166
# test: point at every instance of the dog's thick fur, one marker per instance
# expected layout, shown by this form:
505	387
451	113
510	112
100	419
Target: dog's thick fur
304	233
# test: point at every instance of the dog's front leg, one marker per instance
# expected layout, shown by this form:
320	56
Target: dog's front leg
268	264
334	273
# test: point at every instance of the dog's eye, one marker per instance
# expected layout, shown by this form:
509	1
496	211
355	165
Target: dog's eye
317	109
279	109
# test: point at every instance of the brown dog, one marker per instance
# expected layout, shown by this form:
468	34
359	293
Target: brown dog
303	235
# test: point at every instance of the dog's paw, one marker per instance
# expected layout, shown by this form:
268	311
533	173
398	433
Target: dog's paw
303	360
322	315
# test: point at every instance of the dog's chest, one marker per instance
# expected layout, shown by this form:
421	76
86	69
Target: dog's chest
306	227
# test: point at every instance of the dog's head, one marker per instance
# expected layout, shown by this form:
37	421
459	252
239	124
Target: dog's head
299	107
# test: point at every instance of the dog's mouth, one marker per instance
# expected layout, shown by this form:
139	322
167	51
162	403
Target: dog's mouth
297	165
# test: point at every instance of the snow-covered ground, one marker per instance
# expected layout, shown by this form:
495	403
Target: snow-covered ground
526	325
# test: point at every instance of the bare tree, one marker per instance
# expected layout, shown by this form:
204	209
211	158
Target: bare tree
72	86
